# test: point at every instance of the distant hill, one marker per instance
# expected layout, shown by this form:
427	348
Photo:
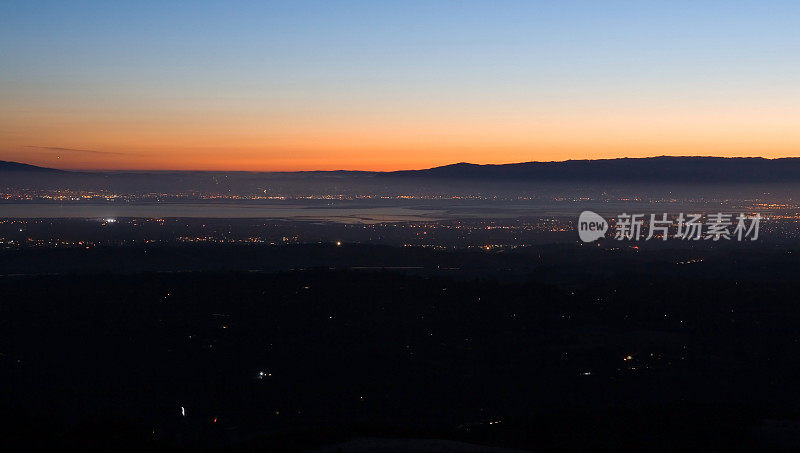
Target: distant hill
6	166
686	169
461	178
664	169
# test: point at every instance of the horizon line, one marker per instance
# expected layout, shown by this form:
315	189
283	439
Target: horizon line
402	170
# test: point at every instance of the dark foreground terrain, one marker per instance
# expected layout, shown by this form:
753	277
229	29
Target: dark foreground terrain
566	347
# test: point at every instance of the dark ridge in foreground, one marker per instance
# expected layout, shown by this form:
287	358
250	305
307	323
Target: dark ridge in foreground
655	169
307	359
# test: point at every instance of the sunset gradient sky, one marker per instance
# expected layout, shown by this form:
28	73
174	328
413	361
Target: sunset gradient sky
379	85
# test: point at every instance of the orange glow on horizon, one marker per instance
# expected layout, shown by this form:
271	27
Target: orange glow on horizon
396	141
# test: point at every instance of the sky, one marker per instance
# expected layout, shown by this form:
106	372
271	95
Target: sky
386	85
